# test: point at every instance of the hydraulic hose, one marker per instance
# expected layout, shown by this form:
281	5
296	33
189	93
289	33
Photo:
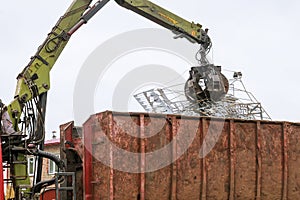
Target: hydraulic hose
39	186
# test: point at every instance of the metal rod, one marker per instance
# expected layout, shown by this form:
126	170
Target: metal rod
87	16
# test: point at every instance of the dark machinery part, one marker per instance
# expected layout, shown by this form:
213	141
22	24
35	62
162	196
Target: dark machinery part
87	16
206	83
40	135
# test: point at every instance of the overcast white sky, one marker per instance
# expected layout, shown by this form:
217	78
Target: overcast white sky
258	37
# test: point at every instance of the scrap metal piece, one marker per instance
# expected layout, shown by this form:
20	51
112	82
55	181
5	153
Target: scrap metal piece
237	103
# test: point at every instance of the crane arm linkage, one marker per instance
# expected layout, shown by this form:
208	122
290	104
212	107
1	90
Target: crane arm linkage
183	28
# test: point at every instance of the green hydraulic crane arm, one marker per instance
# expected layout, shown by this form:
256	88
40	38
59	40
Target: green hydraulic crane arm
34	79
190	30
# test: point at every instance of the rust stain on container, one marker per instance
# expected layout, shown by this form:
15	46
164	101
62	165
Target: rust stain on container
203	167
143	156
174	164
249	160
285	161
258	160
232	159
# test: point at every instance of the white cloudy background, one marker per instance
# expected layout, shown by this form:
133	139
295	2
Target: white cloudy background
258	37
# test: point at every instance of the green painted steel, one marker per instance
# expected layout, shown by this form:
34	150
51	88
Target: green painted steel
34	79
192	31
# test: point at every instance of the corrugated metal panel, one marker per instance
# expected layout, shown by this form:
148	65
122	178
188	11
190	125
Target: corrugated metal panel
250	160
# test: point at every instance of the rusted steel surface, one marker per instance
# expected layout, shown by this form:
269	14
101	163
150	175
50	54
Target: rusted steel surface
87	163
258	161
143	156
48	194
227	159
71	152
232	155
203	167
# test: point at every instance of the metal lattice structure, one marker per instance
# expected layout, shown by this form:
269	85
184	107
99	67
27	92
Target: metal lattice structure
238	103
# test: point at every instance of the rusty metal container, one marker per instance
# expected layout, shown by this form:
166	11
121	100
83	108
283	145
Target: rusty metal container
226	159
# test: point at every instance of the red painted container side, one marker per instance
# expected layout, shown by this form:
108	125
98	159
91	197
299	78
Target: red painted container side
87	160
48	195
71	152
249	160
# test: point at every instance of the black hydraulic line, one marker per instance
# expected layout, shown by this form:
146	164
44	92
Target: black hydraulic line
87	16
98	5
40	134
43	154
